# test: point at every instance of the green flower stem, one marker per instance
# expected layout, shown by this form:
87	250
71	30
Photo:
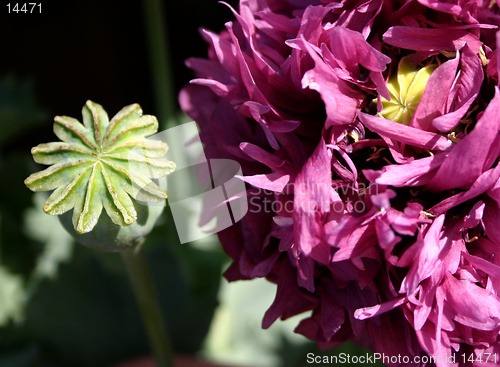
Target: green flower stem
159	56
147	300
166	102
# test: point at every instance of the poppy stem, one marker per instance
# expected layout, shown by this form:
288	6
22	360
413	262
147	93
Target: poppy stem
165	100
160	62
147	300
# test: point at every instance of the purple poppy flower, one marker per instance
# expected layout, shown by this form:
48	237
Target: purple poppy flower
369	137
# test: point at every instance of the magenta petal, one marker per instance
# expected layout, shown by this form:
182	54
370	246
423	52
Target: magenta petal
217	87
472	305
368	312
491	220
470	81
264	157
263	268
416	173
348	160
475	215
248	69
494	153
494	192
489	268
277	22
223	51
357	16
212	68
332	317
433	102
305	272
454	9
492	67
497	56
350	48
257	111
275	182
221	126
350	57
382	200
404	223
428	257
379	81
311	30
427	294
465	162
405	134
354	241
341	100
430	39
386	237
484	182
439	349
287	293
313	195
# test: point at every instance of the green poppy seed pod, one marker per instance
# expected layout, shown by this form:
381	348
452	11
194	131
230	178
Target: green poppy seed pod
100	164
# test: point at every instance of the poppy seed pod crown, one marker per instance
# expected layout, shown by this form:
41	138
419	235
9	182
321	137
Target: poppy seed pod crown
100	164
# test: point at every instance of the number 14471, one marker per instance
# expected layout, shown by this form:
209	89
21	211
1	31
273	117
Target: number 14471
25	8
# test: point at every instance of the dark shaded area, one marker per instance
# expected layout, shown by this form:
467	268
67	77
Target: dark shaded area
79	50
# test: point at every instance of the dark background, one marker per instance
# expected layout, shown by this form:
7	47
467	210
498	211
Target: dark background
79	50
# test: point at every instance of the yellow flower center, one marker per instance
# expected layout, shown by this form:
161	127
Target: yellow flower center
406	90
